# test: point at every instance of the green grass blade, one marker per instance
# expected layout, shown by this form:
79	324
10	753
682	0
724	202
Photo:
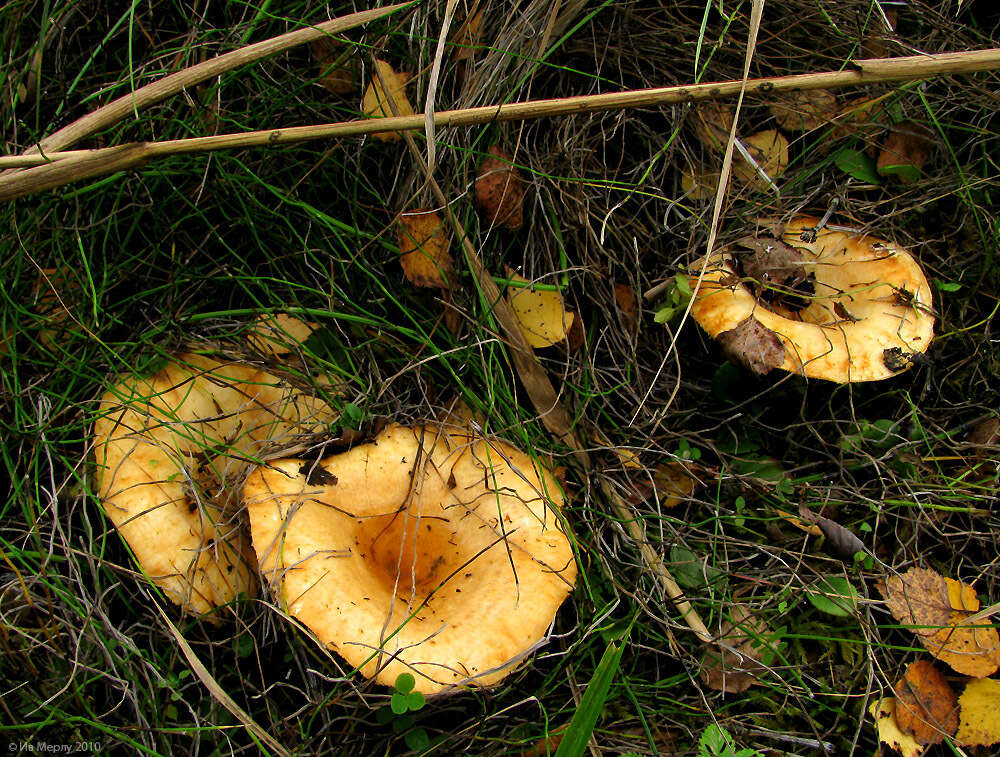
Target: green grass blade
574	741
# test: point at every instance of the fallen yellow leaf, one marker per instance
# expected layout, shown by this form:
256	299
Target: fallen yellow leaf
884	712
770	150
542	315
423	244
979	713
387	88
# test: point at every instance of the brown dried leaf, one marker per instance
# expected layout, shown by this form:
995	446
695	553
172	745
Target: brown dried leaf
919	598
770	150
376	100
500	190
775	264
577	335
424	246
335	66
699	184
939	609
625	298
738	667
712	124
979	723
858	116
986	433
753	345
541	314
843	540
926	705
805	110
466	37
904	152
884	712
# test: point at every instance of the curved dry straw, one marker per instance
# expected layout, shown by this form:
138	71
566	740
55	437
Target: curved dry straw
55	169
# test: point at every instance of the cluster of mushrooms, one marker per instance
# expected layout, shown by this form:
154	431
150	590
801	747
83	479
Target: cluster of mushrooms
432	550
428	550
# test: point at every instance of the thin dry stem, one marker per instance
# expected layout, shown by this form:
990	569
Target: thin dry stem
58	170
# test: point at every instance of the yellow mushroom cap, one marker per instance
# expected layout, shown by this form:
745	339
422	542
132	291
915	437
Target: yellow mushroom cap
424	552
871	311
156	436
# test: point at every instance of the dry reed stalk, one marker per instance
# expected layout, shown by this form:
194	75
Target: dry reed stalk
55	169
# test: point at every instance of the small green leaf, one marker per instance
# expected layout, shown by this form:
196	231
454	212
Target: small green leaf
682	283
834	596
417	739
857	165
686	567
244	645
415	700
383	715
947	286
399	704
405	683
664	314
907	172
351	416
400	724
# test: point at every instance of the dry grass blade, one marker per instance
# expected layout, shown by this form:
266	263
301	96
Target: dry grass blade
866	72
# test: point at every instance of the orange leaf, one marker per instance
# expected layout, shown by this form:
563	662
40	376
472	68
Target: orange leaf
926	705
500	190
424	243
938	609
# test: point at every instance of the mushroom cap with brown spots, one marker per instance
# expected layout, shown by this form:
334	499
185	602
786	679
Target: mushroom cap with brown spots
872	305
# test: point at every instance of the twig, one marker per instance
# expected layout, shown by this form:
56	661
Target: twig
858	73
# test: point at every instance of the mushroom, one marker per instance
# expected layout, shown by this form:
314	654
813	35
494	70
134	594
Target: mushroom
843	305
423	551
161	441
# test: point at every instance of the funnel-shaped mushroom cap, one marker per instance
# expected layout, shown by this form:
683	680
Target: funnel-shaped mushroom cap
422	552
160	441
869	313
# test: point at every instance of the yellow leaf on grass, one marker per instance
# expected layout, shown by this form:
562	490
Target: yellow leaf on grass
979	715
376	101
769	149
278	334
884	712
674	485
423	244
541	314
